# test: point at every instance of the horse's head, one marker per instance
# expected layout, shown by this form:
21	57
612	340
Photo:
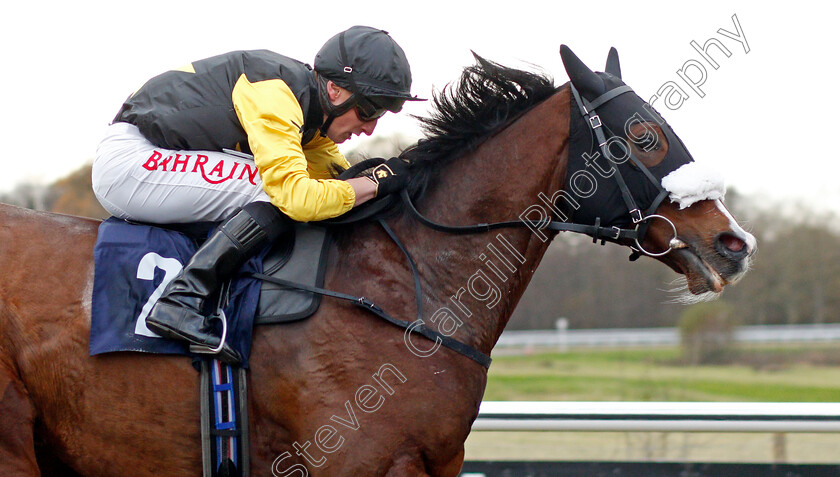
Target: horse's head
630	171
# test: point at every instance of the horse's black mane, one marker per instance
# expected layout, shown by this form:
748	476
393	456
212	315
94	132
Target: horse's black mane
485	99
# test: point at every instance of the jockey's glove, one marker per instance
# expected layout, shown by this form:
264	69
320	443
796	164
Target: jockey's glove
390	176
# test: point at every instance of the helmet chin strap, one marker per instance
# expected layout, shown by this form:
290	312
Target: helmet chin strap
327	123
333	111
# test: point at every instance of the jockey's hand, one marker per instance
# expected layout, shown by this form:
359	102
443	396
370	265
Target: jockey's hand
389	177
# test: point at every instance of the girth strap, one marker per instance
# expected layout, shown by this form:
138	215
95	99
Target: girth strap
224	420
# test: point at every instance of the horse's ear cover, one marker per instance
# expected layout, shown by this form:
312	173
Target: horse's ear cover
605	202
613	66
584	79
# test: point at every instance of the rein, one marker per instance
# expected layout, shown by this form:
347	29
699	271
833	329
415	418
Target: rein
597	232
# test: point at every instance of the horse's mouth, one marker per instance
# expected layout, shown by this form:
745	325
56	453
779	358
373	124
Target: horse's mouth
701	275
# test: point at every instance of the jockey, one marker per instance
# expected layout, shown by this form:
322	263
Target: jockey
179	151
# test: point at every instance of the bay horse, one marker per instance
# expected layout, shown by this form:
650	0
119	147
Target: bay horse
344	393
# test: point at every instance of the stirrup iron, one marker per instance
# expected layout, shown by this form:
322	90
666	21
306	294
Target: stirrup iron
220	315
204	349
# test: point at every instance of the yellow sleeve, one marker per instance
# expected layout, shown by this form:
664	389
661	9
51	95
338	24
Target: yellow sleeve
272	119
321	153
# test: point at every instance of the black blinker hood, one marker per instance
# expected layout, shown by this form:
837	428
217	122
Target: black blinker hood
590	179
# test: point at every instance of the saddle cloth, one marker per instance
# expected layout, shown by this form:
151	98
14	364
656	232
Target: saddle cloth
133	263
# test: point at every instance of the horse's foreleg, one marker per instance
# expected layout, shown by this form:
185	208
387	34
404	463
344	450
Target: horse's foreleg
17	417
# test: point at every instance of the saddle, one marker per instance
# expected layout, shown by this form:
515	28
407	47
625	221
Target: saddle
133	262
300	258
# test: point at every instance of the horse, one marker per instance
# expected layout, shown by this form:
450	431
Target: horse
344	393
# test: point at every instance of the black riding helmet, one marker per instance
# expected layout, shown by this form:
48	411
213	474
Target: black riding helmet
370	64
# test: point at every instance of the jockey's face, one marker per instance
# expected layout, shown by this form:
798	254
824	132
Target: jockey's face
345	126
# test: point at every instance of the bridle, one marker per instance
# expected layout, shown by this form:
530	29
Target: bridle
640	220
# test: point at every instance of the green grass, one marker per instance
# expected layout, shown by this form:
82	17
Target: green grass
657	375
767	373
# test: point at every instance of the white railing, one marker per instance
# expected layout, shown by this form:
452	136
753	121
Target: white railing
572	338
658	416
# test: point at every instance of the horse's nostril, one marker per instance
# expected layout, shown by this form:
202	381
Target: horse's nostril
733	243
731	246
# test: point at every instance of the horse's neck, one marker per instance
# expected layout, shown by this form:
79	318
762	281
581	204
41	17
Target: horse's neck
473	282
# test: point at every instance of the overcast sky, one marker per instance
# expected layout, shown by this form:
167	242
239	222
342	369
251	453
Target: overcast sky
766	119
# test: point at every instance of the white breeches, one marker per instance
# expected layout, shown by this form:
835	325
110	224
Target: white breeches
136	180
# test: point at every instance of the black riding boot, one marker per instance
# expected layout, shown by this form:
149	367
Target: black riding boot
179	312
